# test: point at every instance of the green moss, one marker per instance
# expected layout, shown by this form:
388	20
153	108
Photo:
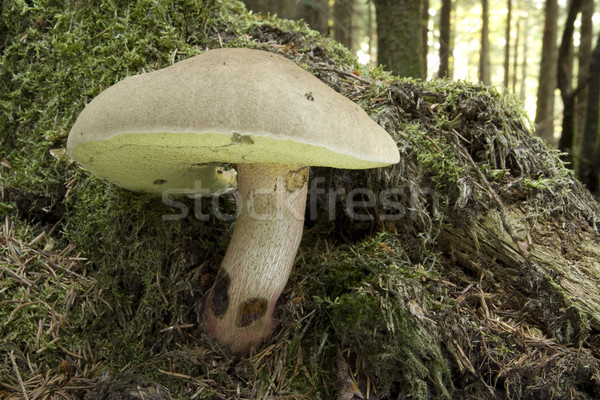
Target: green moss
136	256
56	56
364	296
536	184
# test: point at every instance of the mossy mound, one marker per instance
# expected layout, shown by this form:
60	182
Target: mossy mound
468	270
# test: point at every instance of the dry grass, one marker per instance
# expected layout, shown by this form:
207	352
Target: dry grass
30	272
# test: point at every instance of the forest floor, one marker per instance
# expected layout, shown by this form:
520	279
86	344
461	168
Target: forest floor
481	282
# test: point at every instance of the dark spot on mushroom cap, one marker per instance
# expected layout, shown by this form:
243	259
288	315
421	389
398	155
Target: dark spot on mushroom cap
220	298
251	310
160	181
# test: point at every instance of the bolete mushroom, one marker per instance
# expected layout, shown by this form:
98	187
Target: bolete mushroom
255	109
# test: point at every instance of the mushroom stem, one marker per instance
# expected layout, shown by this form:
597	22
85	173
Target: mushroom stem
239	308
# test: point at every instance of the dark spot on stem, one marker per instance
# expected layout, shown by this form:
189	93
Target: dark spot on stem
220	298
251	310
160	182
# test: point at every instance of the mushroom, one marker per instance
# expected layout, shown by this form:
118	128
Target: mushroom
252	108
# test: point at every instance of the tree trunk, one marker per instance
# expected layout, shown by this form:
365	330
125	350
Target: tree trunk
342	21
425	34
399	37
255	5
589	171
515	60
544	114
283	8
507	44
523	88
316	14
445	49
564	80
370	33
484	56
584	55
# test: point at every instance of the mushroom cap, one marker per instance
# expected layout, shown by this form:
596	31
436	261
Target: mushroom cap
160	129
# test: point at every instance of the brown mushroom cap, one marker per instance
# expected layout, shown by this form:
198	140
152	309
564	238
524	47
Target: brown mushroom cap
160	129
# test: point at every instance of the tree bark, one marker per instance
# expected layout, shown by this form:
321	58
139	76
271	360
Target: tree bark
342	21
544	114
399	37
445	31
484	56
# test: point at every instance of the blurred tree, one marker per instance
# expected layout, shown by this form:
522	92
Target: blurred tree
445	53
515	61
316	14
425	34
507	44
584	55
399	36
524	54
370	30
484	55
564	80
283	8
589	170
343	15
544	115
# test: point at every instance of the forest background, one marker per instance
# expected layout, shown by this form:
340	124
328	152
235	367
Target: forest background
544	52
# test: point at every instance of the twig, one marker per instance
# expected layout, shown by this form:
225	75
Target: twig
456	119
174	374
101	33
433	143
160	290
348	74
18	277
75	274
16	368
459	135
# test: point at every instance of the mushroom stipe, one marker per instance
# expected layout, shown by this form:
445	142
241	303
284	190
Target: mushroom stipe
260	255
